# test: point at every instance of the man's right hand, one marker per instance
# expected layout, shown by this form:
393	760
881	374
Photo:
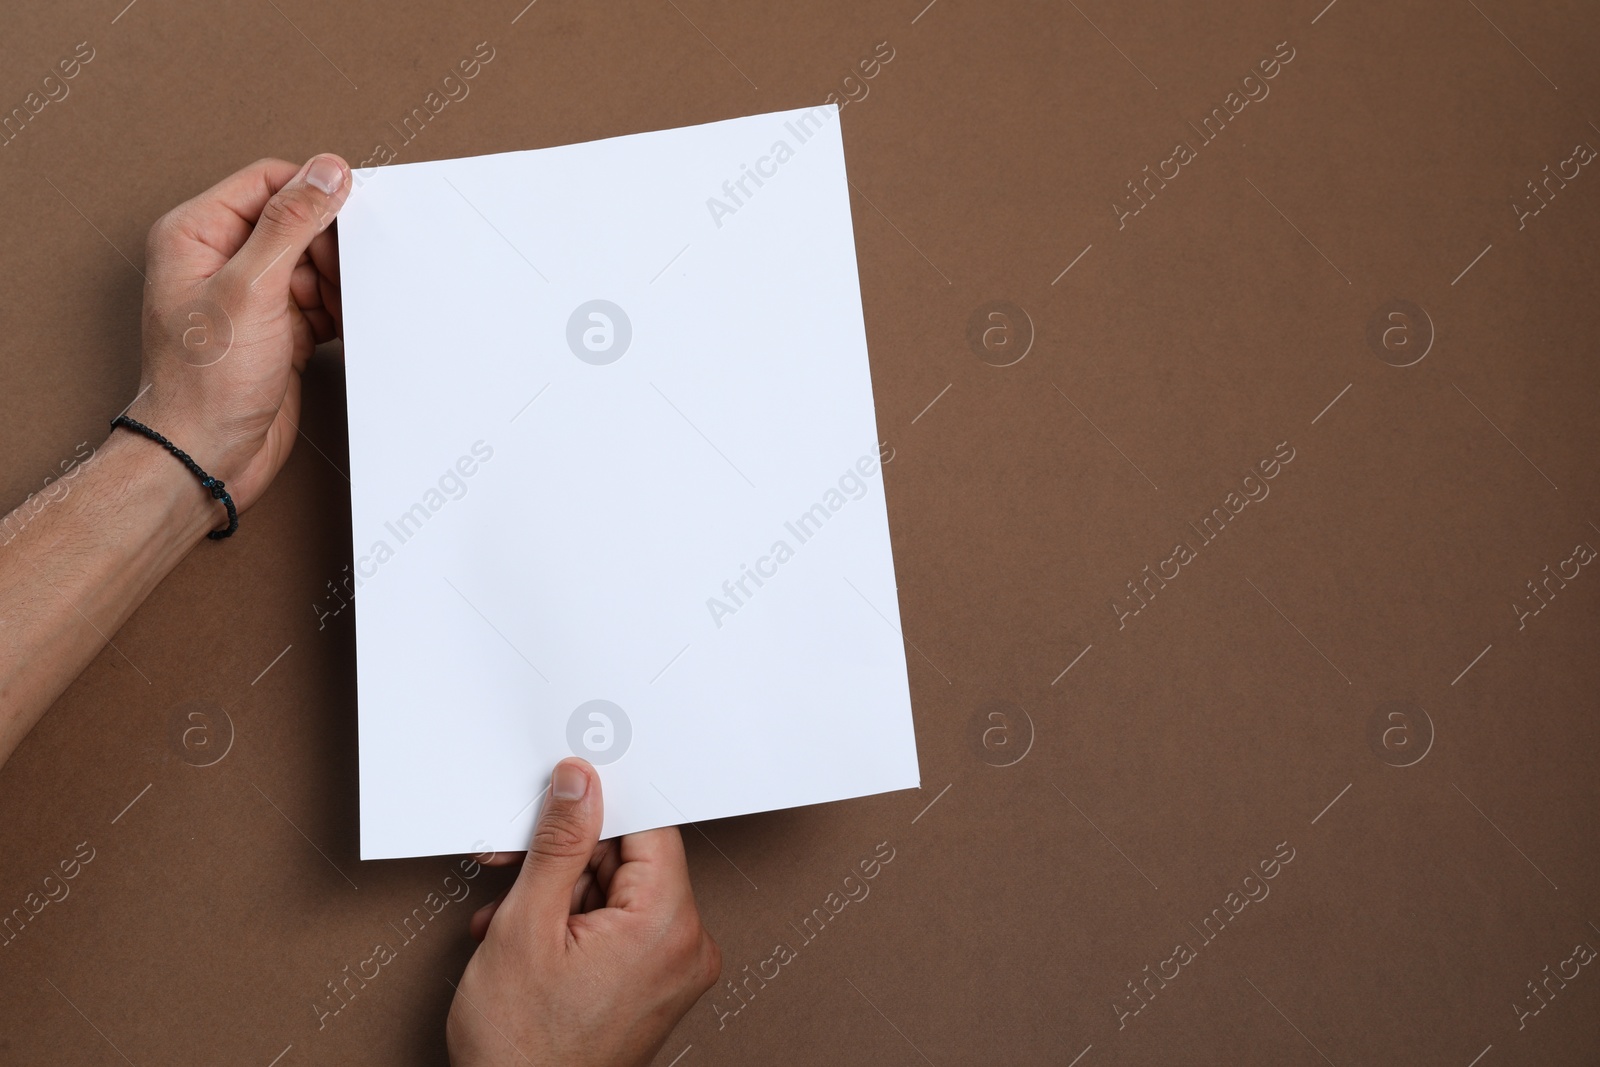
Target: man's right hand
594	953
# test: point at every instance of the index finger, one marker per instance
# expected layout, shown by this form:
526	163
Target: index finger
653	874
236	201
500	859
221	218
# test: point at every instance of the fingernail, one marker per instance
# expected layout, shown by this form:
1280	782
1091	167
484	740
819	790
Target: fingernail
325	175
569	782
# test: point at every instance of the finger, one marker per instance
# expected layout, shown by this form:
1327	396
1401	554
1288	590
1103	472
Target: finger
564	838
501	859
289	221
323	326
479	924
606	868
325	253
654	873
583	892
305	285
334	302
590	892
244	193
201	234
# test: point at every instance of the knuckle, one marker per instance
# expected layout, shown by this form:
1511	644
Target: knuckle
686	942
290	211
162	232
559	834
710	963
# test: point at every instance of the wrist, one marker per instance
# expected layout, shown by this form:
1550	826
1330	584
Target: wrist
184	424
155	482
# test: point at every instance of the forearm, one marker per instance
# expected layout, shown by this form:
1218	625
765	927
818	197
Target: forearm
74	569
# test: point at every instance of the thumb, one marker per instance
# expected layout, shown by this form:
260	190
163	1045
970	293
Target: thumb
301	209
563	841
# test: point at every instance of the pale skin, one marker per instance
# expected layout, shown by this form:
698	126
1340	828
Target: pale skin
597	949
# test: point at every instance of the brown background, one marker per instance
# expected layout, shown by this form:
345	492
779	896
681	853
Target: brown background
1175	753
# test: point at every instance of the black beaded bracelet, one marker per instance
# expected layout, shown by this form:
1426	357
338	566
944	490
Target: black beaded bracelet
214	485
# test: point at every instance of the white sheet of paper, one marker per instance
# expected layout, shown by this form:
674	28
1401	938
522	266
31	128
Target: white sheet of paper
670	503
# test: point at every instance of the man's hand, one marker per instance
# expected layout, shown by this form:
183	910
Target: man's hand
593	954
243	284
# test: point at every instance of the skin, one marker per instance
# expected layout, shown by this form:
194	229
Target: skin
596	951
603	939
